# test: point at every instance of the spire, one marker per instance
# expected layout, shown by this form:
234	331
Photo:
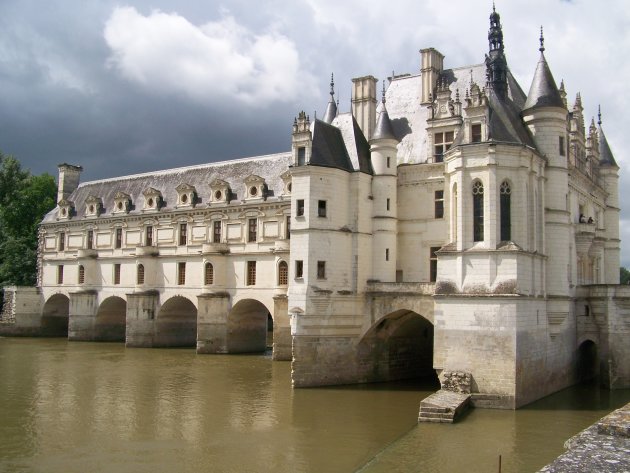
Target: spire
383	129
331	108
606	157
542	41
496	64
543	91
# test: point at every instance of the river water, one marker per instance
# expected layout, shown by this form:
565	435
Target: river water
98	407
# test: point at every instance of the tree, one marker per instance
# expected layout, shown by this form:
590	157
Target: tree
624	276
24	200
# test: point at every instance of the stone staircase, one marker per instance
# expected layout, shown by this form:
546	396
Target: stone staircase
449	402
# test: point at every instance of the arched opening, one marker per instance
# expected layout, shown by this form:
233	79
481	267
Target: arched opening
55	316
505	204
208	277
176	324
477	192
398	346
110	323
283	273
587	362
248	327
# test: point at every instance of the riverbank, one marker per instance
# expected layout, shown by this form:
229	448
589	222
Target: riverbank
603	447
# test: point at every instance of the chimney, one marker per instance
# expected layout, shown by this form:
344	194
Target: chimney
68	180
431	66
364	103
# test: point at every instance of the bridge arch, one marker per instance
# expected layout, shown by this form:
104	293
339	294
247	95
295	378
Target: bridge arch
176	323
55	316
249	322
587	361
397	346
110	322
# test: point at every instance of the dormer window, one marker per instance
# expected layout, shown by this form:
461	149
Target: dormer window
186	195
475	133
286	180
220	191
66	208
122	203
152	199
93	206
255	187
442	141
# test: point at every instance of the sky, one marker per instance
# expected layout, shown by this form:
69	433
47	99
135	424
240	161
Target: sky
123	87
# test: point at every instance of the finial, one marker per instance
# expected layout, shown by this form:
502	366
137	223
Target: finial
542	40
599	115
471	77
383	98
332	84
493	8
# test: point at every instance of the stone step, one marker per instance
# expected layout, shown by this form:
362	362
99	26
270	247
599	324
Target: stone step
435	415
443	406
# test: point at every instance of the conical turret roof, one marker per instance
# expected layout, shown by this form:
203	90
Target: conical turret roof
606	157
543	91
383	129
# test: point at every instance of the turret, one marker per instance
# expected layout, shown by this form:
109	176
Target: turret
69	176
384	194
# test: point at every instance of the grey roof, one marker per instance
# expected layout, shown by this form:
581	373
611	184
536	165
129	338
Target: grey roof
234	172
383	129
543	91
606	157
505	123
356	144
329	149
331	111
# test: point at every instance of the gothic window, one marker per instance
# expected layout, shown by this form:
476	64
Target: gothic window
251	273
506	211
321	208
140	274
208	277
216	231
118	243
148	235
283	273
252	234
475	133
439	204
183	233
181	274
89	244
433	263
442	142
81	274
62	241
300	208
299	269
477	191
321	270
117	273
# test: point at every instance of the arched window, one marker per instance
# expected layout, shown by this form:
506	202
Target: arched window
140	274
505	195
208	277
477	191
454	213
81	274
283	273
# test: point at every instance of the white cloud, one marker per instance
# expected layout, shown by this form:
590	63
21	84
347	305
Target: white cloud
214	62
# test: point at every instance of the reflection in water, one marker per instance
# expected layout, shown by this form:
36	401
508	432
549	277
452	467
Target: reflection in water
77	407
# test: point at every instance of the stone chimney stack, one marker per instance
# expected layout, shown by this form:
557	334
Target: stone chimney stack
431	66
364	103
68	180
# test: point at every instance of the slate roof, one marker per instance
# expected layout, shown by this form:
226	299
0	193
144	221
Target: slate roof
606	157
329	149
234	172
543	91
383	129
356	144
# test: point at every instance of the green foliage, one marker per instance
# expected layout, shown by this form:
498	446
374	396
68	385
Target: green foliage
624	276
24	200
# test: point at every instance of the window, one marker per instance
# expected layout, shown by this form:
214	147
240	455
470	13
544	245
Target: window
433	263
439	204
140	274
216	231
118	243
288	236
117	273
561	146
90	240
62	241
148	235
477	191
321	270
388	161
208	276
442	142
181	274
506	216
300	208
301	156
475	133
299	268
60	274
386	254
81	274
251	273
387	205
321	208
183	231
283	273
252	235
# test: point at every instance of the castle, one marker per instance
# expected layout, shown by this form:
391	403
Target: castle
456	224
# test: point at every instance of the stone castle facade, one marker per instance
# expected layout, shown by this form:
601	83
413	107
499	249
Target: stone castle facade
456	224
